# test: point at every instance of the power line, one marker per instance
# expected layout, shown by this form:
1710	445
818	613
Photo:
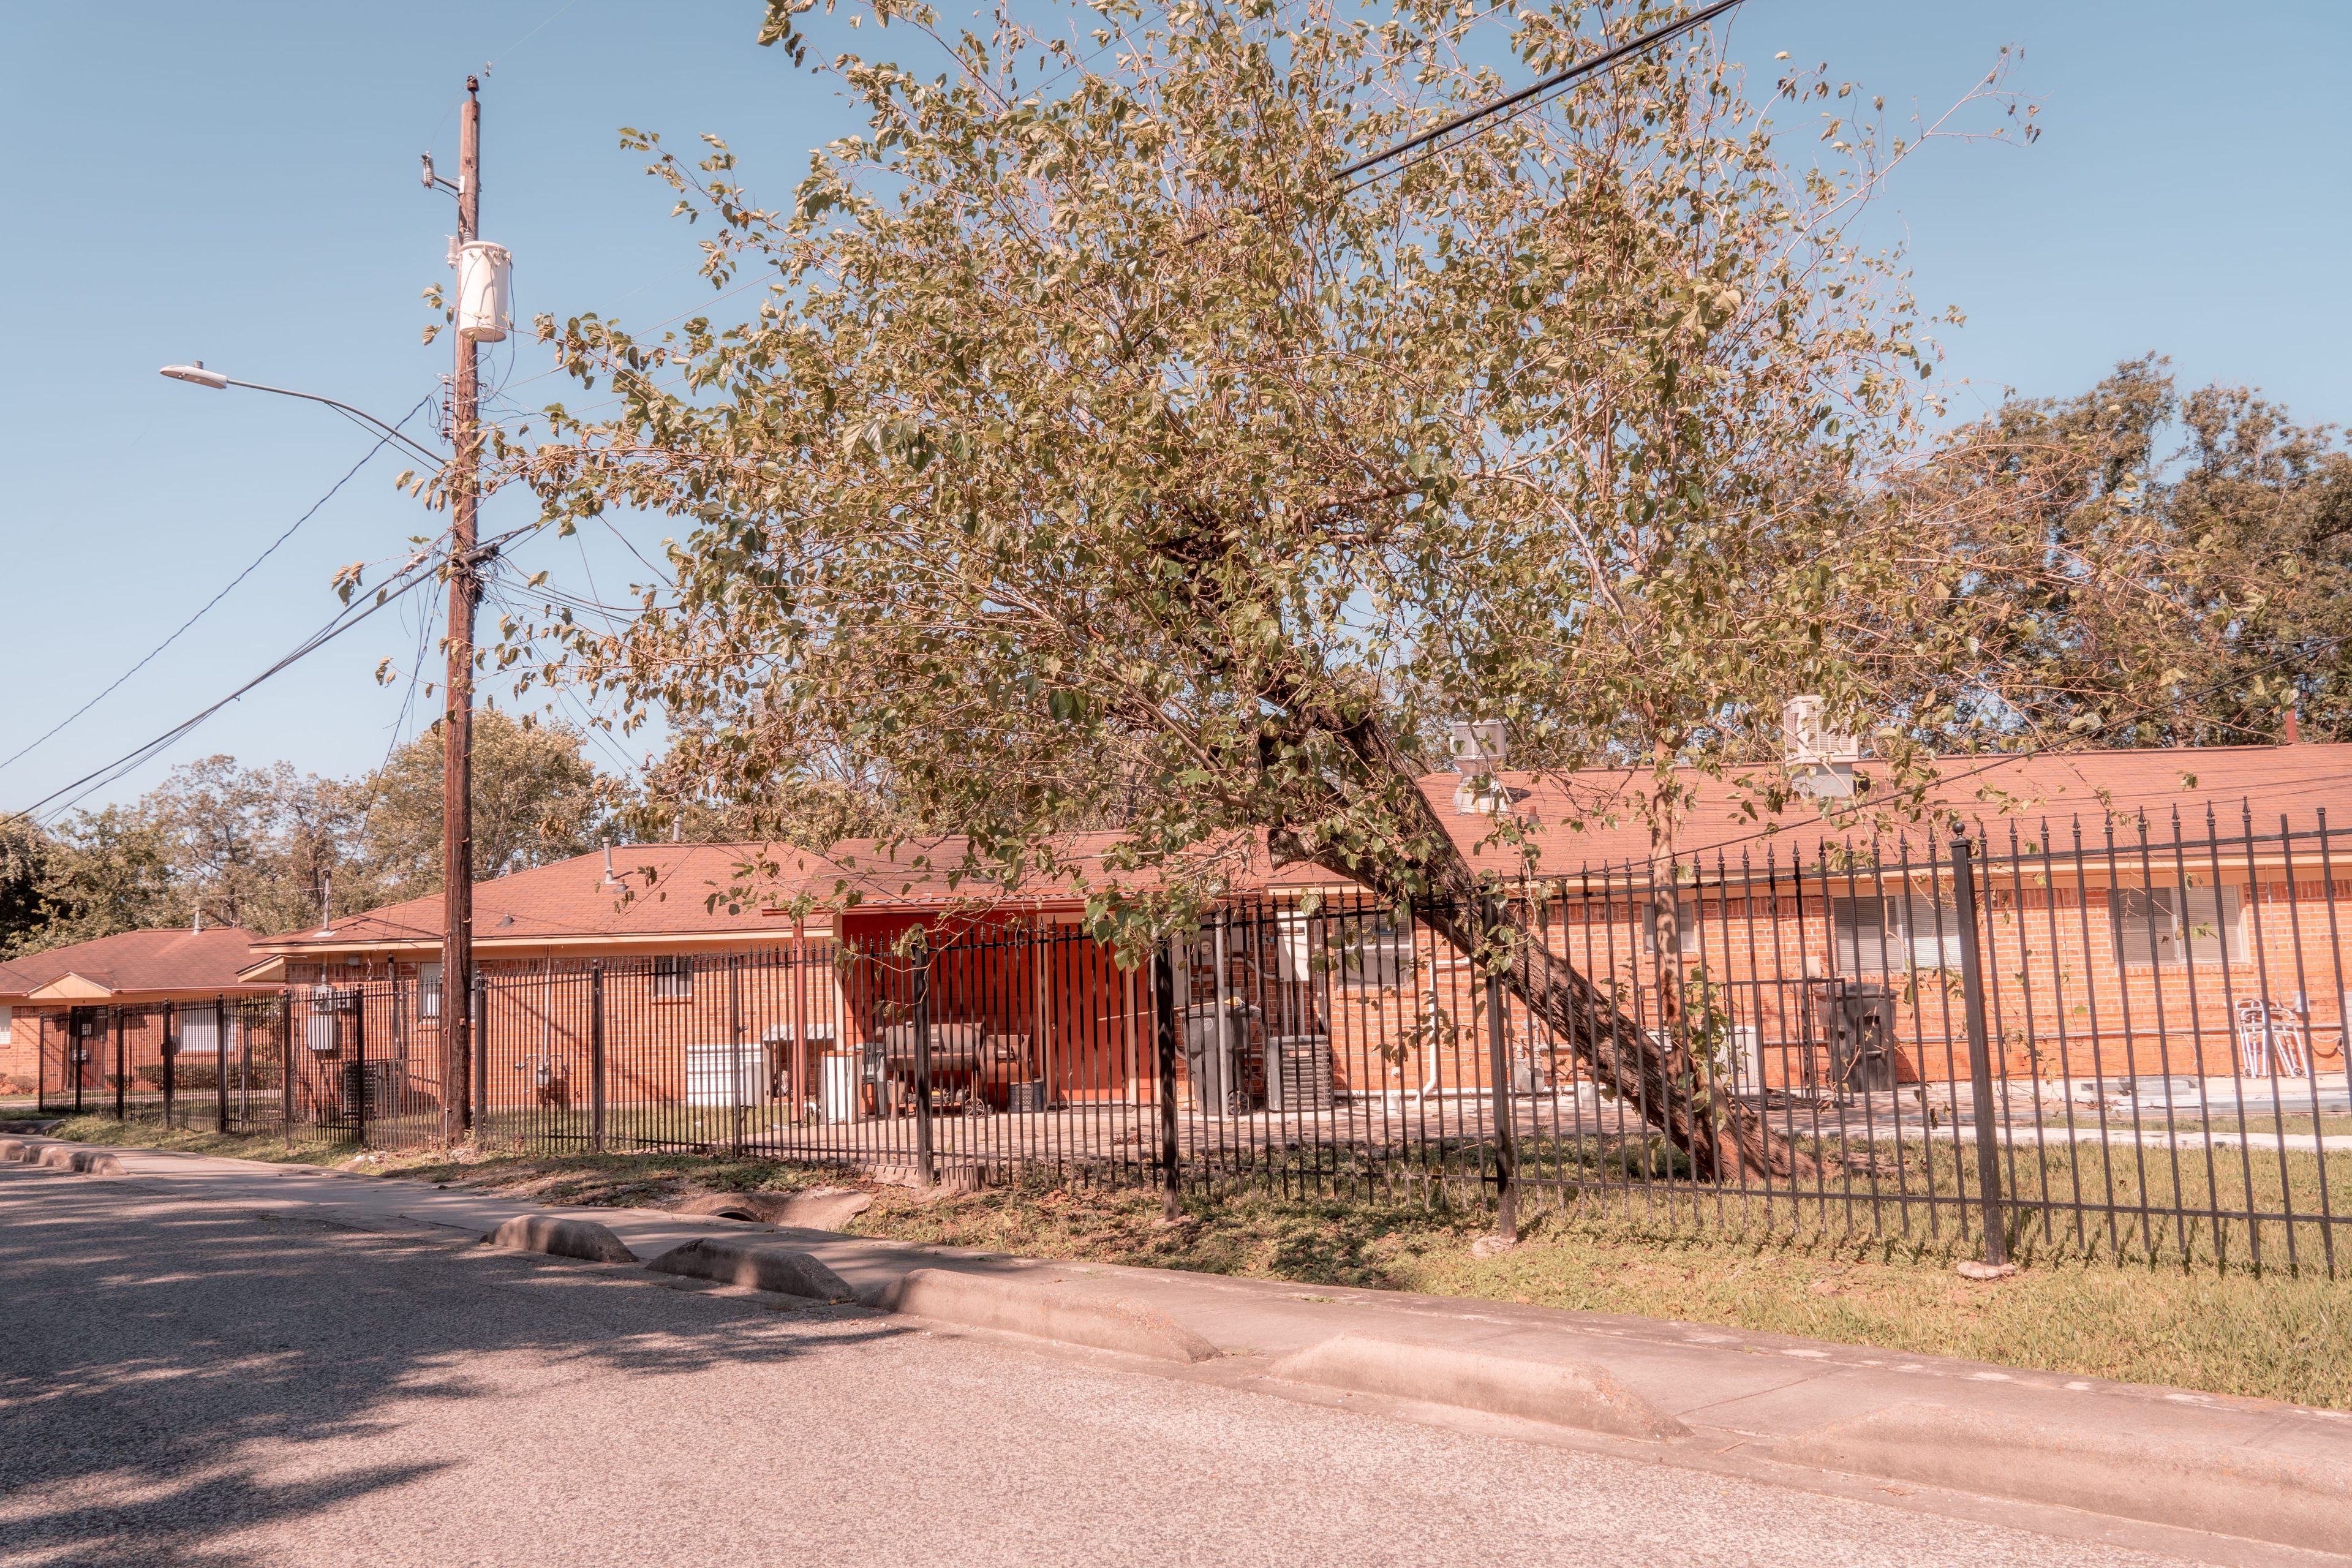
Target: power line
343	621
420	569
255	565
1558	78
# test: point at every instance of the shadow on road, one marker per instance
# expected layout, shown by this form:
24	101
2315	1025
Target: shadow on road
169	1371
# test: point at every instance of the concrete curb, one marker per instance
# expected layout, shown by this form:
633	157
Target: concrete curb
1043	1309
782	1269
2294	1500
820	1208
581	1238
1560	1393
62	1157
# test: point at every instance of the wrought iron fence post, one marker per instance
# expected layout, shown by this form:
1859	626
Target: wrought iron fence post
735	1048
1972	991
220	1063
474	1083
286	1064
923	1071
359	1049
122	1078
478	992
170	1062
597	1056
1163	1009
1498	1070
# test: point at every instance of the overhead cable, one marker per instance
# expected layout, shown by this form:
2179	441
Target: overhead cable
251	567
1600	61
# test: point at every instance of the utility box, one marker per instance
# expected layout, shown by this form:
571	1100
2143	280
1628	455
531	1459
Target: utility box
1217	1059
1857	1023
725	1074
485	291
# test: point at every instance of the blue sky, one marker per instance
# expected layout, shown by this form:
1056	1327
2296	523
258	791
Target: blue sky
237	182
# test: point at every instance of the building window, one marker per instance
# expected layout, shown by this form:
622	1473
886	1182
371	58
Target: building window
1895	934
2174	924
1369	952
429	990
199	1032
673	979
7	1023
1670	929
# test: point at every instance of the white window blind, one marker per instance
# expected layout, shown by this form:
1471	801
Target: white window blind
1895	934
199	1033
2173	924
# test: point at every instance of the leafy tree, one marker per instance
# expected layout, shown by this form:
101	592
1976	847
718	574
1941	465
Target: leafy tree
25	852
1100	453
2226	532
106	872
257	847
537	798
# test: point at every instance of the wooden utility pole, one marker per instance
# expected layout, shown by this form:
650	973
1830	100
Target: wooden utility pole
457	719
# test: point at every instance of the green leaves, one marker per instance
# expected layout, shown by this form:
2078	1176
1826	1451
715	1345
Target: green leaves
1092	463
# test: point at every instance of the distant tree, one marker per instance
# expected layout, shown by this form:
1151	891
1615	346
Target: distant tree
259	847
2225	532
25	854
537	798
107	871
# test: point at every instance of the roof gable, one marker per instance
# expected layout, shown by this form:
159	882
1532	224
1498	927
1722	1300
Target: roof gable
173	960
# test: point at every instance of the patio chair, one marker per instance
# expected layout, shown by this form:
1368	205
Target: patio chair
2269	1039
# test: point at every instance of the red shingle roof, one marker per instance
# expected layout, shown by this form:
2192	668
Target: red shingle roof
1598	817
679	889
1584	819
174	961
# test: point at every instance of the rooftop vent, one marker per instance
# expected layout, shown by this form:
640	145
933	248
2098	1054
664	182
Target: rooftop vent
1479	748
1820	760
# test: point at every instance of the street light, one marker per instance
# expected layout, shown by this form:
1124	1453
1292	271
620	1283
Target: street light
197	375
457	730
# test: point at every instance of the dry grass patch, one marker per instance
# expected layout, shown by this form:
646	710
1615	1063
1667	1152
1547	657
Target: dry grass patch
2275	1337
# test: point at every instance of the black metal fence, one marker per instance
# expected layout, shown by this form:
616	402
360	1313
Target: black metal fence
2124	1042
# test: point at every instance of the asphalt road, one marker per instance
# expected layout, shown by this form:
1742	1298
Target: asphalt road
196	1385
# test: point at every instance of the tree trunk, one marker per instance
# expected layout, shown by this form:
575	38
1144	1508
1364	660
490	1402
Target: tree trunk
1725	1138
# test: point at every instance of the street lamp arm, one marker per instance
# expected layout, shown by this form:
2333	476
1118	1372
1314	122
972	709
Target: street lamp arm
436	459
197	375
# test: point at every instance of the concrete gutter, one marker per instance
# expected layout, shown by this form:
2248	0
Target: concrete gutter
1723	1399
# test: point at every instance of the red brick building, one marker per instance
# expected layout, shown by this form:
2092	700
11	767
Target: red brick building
1805	946
60	1010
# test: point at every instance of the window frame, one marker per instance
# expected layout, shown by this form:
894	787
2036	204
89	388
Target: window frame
672	978
1924	934
2143	943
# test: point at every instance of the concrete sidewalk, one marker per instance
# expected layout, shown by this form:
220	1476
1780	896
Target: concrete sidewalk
1708	1399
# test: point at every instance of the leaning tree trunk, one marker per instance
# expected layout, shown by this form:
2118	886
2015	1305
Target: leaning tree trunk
1724	1138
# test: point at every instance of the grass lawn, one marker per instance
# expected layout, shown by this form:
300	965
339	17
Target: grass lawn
2272	1336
